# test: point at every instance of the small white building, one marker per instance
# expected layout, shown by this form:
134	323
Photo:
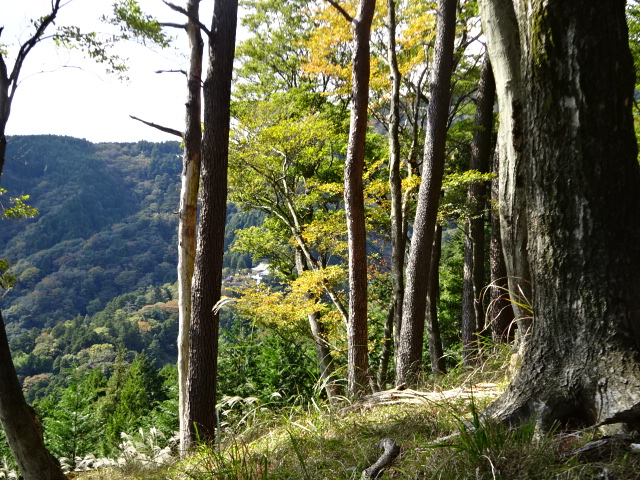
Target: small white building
260	272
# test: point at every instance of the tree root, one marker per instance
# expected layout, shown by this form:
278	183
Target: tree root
391	451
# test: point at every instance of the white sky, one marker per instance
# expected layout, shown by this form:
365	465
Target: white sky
62	93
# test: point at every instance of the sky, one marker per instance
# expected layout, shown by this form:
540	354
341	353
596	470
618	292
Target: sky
63	93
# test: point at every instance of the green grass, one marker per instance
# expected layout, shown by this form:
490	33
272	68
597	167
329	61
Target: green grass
318	441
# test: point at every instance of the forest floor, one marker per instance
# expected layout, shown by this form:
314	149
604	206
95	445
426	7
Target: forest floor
440	431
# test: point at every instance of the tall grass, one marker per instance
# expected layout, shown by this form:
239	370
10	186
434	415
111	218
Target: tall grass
315	440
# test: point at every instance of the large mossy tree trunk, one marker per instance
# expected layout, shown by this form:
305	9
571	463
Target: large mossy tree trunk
207	279
572	128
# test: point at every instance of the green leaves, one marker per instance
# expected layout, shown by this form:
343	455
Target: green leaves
455	186
136	25
17	209
96	48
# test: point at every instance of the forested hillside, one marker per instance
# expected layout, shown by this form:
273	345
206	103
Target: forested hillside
106	225
95	268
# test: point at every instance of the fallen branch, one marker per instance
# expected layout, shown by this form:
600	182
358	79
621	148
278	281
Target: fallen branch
391	451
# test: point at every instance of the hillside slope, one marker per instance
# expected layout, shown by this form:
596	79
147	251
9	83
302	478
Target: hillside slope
107	225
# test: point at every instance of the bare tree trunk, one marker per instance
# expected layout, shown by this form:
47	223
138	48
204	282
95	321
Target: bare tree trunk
499	312
358	355
436	352
188	212
469	325
414	305
582	362
398	239
387	349
473	283
207	279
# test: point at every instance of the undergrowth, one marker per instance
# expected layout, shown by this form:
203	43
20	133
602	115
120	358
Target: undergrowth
440	438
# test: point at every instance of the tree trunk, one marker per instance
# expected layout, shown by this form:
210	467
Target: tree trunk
414	305
436	353
504	51
386	351
473	282
318	331
398	239
499	312
358	355
21	427
188	212
582	362
207	279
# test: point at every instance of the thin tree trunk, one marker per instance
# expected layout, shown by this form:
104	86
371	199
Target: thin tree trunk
436	352
189	207
358	355
582	362
318	331
387	349
398	239
207	279
473	282
499	312
414	306
469	320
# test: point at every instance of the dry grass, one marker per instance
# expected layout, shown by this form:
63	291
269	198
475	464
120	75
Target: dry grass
331	443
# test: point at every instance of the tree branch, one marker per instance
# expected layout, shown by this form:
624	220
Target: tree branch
159	127
181	26
342	11
172	71
181	10
26	47
391	451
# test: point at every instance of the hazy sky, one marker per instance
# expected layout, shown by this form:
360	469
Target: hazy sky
65	94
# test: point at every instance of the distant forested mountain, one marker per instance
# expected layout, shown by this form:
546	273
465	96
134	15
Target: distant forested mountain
107	224
96	267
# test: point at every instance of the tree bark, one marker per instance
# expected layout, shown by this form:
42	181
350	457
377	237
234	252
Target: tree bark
417	274
503	43
21	427
474	242
499	312
436	352
188	212
582	363
207	278
358	355
398	238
